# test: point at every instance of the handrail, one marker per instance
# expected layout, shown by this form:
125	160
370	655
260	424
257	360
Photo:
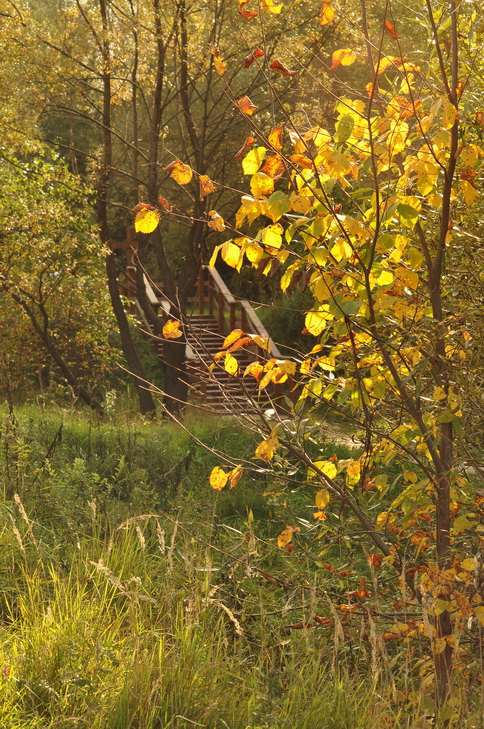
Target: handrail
247	320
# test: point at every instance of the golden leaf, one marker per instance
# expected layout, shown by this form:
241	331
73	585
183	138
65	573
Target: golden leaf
275	138
235	476
353	472
327	13
342	57
216	222
220	66
146	221
286	536
206	186
265	450
261	185
231	365
232	337
271	6
232	254
272	235
326	467
171	330
218	478
253	160
180	172
322	498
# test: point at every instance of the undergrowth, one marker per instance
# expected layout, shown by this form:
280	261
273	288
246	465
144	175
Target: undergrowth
132	596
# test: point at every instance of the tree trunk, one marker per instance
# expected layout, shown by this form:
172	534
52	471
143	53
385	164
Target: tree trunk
146	403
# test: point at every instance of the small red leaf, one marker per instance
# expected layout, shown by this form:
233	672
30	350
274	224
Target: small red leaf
282	69
248	143
247	14
391	30
142	206
249	60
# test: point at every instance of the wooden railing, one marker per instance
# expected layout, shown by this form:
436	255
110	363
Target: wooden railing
230	313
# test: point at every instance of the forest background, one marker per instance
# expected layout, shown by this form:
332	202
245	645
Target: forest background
327	158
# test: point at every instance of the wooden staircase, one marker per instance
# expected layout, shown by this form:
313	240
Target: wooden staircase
213	312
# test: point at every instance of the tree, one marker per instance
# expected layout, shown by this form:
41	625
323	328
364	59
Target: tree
50	270
148	79
372	210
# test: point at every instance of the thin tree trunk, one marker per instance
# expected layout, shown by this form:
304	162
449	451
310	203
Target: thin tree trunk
146	403
56	355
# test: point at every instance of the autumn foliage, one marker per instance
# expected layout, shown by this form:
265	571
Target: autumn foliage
364	210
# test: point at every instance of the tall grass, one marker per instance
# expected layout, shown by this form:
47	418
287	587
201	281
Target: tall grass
130	605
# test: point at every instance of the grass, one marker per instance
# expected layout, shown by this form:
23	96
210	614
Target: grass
132	596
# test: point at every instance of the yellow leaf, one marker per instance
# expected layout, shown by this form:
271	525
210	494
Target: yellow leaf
275	138
385	278
286	536
261	185
271	6
384	518
216	222
253	251
343	57
353	472
253	160
220	66
327	12
439	394
265	450
470	155
206	186
235	476
469	192
479	613
180	172
146	221
301	203
262	342
438	645
327	467
232	338
315	321
171	330
468	564
231	254
409	278
322	498
231	365
214	255
272	235
255	369
450	114
218	478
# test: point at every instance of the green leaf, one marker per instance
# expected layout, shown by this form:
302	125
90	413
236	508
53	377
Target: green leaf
277	205
407	214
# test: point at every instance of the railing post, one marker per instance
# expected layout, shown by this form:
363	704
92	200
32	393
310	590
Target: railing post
243	319
221	317
232	316
210	298
201	290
